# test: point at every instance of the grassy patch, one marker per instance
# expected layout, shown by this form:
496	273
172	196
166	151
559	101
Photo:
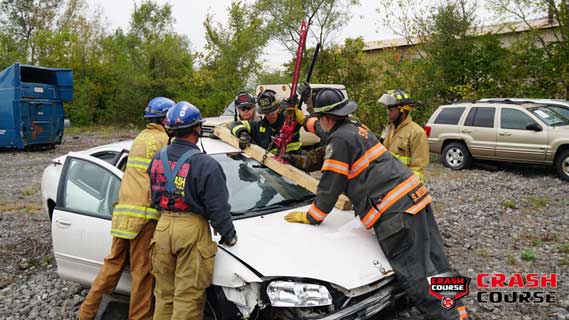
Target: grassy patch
20	207
439	206
483	252
528	255
538	202
564	262
511	260
509	204
31	190
105	131
538	239
47	260
549	237
438	173
563	248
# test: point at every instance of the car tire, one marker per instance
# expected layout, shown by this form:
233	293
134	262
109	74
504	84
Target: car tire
456	156
562	165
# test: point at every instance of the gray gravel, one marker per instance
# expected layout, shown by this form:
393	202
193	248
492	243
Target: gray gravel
488	216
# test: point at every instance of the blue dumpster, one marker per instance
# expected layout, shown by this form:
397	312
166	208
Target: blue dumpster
31	105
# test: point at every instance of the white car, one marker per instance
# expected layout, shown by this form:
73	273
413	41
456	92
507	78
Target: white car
277	270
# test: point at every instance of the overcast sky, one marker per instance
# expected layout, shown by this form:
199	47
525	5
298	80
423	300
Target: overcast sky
190	15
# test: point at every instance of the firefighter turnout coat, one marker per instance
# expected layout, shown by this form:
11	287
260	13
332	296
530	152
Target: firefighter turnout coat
376	182
408	142
133	209
261	132
201	184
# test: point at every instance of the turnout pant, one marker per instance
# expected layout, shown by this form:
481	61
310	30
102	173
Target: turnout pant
414	247
182	255
125	252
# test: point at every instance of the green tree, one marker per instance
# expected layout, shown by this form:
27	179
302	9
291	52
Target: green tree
323	18
554	56
23	20
232	54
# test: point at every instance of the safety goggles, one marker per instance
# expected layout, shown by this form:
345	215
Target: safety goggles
247	108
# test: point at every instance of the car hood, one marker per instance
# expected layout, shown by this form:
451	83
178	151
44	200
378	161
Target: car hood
339	251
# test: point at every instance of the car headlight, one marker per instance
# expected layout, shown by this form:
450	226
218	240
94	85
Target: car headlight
296	294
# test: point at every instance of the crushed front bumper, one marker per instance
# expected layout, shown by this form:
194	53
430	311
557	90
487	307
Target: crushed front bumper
370	306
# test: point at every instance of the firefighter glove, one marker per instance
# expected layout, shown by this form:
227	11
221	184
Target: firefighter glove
244	140
298	217
291	159
297	114
292	102
304	90
230	242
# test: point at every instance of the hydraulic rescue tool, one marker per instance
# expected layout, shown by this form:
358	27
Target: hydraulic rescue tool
287	130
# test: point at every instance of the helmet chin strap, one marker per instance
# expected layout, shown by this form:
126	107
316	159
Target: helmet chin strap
398	119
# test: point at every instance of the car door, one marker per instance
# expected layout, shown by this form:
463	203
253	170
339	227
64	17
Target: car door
480	129
517	143
87	191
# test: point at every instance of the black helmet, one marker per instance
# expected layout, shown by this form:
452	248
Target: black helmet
267	101
244	99
332	101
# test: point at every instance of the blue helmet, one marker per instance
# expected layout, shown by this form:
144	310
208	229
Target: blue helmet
183	115
158	107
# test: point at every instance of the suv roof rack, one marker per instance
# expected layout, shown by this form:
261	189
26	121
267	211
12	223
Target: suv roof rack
462	101
497	100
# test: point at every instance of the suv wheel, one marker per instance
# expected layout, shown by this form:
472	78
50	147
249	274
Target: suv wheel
562	165
456	156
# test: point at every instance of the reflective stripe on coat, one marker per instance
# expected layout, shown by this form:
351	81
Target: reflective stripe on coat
408	142
357	164
133	209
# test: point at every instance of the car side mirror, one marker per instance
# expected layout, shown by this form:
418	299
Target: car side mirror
534	126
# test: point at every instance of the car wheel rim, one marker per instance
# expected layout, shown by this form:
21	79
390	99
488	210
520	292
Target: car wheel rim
565	166
455	157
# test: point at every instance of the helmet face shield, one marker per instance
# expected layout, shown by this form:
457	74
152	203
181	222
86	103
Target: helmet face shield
158	107
388	100
183	115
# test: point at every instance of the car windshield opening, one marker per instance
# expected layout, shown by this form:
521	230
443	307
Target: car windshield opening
255	189
229	110
550	116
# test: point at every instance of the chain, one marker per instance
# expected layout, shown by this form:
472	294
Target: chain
267	151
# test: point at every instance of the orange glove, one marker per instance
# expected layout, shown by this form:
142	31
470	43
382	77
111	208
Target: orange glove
298	217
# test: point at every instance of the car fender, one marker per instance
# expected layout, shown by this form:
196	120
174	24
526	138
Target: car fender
466	139
559	137
229	272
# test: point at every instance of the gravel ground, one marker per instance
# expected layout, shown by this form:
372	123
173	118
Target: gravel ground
494	218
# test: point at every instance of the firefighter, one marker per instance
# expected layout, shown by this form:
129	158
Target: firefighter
386	195
194	191
313	159
404	138
133	223
245	106
261	132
